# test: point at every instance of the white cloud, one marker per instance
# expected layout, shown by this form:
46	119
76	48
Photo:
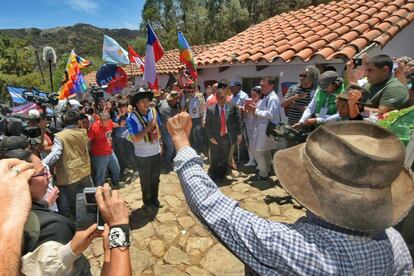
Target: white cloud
83	5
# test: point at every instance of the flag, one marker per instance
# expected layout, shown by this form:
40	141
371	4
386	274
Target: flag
186	56
135	58
154	52
113	53
73	81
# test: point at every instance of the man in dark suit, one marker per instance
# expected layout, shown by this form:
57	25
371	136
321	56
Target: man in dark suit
222	128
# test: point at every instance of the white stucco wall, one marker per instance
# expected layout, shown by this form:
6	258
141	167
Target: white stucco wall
290	71
402	44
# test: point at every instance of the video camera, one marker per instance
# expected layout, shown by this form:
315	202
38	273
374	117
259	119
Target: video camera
15	132
51	99
97	93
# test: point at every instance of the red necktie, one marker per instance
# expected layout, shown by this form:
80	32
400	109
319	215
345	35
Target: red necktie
223	129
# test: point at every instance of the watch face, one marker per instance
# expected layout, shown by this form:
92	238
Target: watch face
117	237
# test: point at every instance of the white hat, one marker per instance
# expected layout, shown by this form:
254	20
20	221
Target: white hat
34	114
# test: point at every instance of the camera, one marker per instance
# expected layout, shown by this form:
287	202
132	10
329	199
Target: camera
97	93
357	62
87	211
51	99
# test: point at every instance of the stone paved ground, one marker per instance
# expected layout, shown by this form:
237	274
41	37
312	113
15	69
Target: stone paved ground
175	243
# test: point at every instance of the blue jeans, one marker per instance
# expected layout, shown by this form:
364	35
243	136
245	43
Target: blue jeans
169	149
101	164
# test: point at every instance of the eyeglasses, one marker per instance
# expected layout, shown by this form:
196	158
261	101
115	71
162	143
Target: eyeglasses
45	172
303	76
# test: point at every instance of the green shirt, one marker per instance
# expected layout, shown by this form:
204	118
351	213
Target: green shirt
391	93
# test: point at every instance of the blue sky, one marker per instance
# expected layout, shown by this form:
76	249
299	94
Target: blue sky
53	13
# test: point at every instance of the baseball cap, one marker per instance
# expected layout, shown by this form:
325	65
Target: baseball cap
235	83
329	77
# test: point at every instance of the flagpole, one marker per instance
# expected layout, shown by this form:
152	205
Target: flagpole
132	72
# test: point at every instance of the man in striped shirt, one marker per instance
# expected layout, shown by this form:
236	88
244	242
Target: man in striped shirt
299	95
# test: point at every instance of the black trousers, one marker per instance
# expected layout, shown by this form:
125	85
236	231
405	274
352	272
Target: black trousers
219	157
124	151
149	175
197	139
67	196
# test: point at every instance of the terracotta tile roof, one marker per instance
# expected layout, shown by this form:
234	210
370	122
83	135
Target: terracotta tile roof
169	63
334	30
90	79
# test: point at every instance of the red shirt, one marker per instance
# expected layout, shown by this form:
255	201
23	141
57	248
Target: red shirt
101	138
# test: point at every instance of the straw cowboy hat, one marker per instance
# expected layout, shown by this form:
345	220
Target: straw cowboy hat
173	95
350	174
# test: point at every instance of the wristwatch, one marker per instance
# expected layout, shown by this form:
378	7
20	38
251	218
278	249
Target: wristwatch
119	236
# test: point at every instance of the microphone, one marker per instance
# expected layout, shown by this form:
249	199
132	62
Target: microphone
49	55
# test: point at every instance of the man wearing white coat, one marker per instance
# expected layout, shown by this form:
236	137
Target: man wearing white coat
268	110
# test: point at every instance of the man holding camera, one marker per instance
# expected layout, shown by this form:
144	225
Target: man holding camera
387	93
71	156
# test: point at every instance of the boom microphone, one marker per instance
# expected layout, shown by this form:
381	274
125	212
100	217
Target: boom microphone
49	55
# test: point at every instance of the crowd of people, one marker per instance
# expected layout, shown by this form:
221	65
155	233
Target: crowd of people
350	210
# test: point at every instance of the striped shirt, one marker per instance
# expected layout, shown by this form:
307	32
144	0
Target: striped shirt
294	114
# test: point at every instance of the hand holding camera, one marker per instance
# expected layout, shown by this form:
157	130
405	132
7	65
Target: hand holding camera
112	206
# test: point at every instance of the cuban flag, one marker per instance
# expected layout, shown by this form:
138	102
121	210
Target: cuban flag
153	54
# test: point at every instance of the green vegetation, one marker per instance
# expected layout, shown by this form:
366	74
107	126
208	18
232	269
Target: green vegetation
18	65
208	21
202	21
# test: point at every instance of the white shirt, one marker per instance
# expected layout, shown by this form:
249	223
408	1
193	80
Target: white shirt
269	109
239	98
142	148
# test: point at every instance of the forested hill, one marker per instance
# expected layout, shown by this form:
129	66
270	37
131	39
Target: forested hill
85	39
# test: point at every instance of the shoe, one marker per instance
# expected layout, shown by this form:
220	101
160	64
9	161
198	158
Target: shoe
120	185
157	204
125	172
258	177
233	166
250	164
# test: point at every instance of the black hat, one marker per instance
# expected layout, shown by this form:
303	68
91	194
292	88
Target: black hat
141	94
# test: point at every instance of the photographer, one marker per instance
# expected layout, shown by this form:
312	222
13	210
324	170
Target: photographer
51	244
71	156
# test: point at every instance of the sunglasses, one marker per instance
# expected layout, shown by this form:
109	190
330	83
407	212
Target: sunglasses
303	76
45	172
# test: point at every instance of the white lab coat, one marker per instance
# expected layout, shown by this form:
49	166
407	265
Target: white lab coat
267	110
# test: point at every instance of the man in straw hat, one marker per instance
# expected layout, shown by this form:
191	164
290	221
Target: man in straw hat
350	177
